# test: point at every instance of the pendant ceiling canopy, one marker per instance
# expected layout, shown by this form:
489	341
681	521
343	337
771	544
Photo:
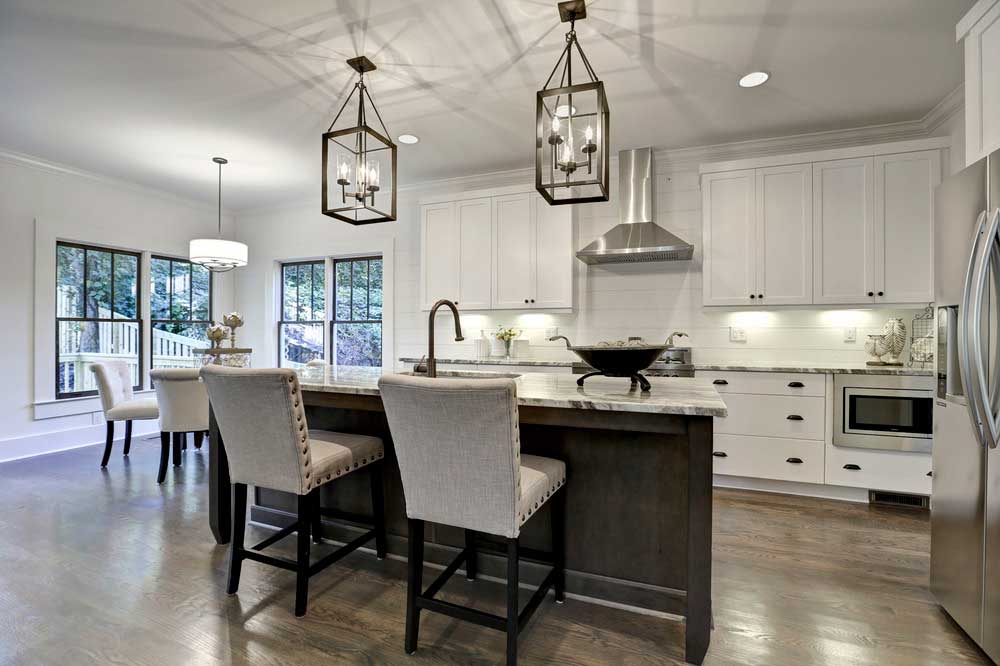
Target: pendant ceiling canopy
359	162
571	125
217	254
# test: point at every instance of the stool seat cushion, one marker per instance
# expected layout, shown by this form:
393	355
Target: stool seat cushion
136	410
338	453
540	478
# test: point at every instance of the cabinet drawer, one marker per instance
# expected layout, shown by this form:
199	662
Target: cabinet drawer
773	416
898	471
769	458
768	383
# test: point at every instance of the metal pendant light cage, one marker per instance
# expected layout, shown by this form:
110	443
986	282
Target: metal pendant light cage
359	161
572	126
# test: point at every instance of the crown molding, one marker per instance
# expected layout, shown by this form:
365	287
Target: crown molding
952	104
60	169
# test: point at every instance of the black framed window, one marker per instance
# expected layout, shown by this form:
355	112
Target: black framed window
97	315
303	310
357	318
180	302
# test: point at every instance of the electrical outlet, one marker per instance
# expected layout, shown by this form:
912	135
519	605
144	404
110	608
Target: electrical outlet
737	334
850	334
551	332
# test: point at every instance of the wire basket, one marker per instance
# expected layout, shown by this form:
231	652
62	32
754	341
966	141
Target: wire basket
922	339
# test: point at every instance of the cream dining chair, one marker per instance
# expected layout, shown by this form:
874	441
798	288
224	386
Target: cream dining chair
114	385
183	403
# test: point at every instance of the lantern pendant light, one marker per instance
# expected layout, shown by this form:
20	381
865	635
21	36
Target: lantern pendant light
571	126
217	254
359	162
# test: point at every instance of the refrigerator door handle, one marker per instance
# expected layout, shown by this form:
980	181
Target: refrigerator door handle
988	263
970	384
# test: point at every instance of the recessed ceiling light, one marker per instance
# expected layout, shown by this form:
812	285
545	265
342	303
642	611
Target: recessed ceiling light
563	110
754	79
408	138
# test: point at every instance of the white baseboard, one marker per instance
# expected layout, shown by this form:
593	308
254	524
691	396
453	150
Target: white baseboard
29	446
841	493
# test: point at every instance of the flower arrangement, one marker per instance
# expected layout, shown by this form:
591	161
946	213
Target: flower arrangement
505	334
233	320
216	333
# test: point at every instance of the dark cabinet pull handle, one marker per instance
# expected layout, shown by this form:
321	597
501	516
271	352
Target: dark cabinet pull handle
796	385
871	293
752	296
719	454
721	382
532	300
931	473
794	417
852	467
794	461
760	295
526	300
881	293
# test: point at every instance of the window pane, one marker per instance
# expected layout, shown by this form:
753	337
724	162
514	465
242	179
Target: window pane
82	343
375	289
159	297
69	281
126	278
290	278
180	289
201	289
343	290
360	290
98	284
319	292
304	309
173	343
359	344
300	343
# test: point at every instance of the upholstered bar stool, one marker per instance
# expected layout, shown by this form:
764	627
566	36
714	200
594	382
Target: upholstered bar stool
183	404
114	385
269	444
459	452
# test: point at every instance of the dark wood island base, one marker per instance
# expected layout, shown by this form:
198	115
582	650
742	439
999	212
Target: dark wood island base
638	503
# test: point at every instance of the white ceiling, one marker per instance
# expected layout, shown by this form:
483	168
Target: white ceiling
150	90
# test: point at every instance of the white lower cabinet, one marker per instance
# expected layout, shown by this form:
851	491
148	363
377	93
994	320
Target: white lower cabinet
896	471
798	460
773	416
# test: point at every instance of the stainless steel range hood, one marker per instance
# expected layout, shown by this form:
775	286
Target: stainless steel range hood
637	237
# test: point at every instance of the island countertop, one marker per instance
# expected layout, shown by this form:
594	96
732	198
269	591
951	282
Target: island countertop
669	395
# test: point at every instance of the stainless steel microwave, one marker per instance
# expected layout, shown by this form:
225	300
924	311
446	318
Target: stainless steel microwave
889	412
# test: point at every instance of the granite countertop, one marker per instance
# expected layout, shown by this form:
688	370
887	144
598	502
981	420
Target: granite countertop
818	368
669	395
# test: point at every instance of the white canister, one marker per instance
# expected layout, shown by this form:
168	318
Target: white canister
482	348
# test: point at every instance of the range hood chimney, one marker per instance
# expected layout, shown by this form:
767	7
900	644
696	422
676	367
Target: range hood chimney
636	238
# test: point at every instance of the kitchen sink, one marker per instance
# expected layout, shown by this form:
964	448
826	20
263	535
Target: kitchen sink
466	374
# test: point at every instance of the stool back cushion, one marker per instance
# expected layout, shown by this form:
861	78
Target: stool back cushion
182	399
114	383
263	424
458	449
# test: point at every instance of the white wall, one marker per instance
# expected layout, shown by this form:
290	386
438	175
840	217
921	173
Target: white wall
55	202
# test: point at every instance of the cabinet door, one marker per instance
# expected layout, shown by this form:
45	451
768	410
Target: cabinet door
728	218
513	252
553	255
440	252
784	235
904	226
982	86
475	224
843	231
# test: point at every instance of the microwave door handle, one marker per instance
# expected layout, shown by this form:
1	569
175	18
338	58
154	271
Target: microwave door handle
969	383
986	264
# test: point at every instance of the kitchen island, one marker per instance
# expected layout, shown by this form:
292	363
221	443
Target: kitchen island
639	485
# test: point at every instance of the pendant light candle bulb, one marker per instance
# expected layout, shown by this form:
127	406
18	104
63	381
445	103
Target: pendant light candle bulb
589	134
555	124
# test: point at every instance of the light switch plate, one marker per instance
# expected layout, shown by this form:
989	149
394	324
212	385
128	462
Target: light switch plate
850	334
737	334
551	332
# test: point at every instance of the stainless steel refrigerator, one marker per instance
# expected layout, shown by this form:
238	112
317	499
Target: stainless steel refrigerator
965	504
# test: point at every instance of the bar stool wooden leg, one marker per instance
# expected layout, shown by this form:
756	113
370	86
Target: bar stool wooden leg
239	528
199	437
164	456
559	543
108	441
128	437
317	518
375	473
512	601
302	573
415	582
472	557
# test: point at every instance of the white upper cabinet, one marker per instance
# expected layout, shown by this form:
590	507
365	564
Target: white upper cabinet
441	243
844	231
729	211
904	226
506	252
980	29
784	235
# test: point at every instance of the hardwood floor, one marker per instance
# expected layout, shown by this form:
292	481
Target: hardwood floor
105	567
